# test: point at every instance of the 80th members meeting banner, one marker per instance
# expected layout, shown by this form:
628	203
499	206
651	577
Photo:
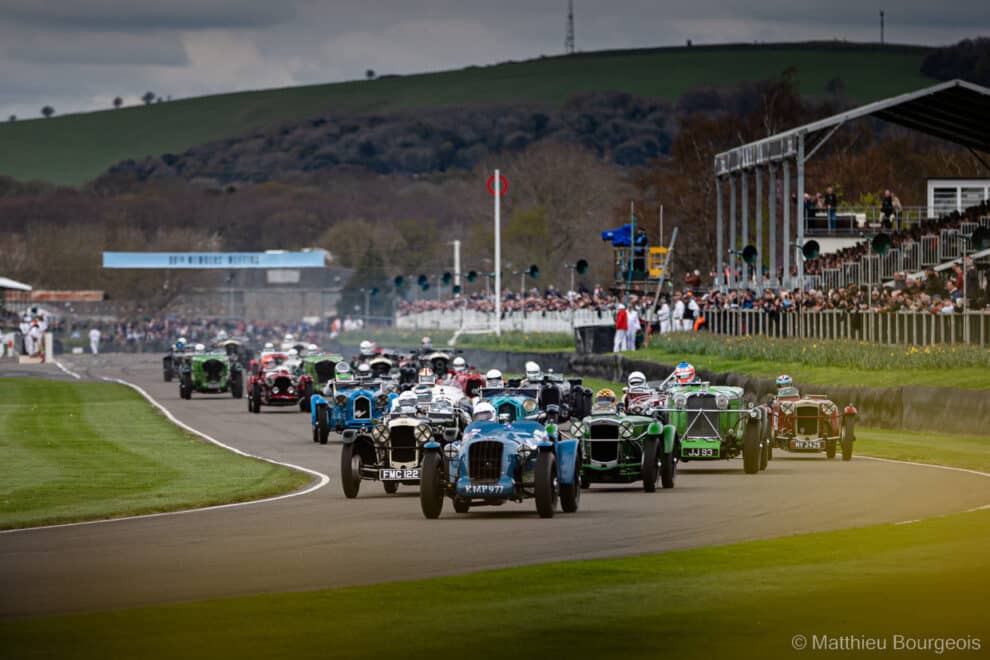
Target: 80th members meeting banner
223	260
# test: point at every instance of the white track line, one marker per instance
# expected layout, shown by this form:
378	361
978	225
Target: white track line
927	465
66	369
323	479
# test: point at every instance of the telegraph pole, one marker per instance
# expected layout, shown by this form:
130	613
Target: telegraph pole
498	256
881	28
569	39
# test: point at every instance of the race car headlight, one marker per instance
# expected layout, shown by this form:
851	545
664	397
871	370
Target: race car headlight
274	390
787	407
680	400
828	408
529	406
754	413
379	433
722	401
291	390
626	430
424	433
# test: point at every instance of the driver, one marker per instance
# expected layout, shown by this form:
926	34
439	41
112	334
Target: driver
534	375
269	348
605	403
426	345
684	373
785	386
364	371
367	348
342	373
493	380
405	403
180	345
484	412
460	366
636	380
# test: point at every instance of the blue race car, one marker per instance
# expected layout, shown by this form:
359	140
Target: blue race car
351	404
516	403
496	462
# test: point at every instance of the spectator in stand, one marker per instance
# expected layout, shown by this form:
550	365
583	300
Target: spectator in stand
621	328
692	279
633	328
831	203
809	207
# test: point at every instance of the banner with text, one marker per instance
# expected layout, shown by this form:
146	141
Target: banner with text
221	260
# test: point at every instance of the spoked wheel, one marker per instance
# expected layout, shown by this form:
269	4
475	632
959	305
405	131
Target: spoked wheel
256	399
668	467
570	494
751	449
431	485
323	423
830	448
350	470
546	486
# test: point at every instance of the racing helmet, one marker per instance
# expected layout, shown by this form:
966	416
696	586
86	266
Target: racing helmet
459	364
288	338
181	343
367	348
293	353
200	347
636	379
269	346
533	372
427	377
605	401
342	371
493	379
484	412
783	380
684	373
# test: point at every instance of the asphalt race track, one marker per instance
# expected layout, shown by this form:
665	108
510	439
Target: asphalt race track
323	540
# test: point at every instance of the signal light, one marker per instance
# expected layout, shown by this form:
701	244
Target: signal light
399	281
472	275
581	266
881	244
533	271
749	254
810	250
447	278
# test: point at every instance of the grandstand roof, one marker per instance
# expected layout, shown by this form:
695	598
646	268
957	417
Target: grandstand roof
956	111
7	283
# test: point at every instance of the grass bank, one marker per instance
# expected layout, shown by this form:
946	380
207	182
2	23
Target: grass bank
747	600
85	451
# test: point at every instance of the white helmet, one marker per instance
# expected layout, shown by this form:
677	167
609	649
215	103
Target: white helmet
427	342
269	346
459	364
533	372
312	347
367	348
200	347
288	338
636	379
484	412
293	353
493	379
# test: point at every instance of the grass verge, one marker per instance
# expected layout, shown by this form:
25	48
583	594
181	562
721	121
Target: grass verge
85	451
748	600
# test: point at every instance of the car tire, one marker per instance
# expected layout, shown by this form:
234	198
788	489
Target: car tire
830	448
848	438
650	470
237	385
431	485
764	455
545	486
316	431
323	423
668	468
570	494
350	471
585	482
462	505
255	399
751	448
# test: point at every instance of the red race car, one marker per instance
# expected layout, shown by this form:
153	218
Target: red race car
811	423
277	381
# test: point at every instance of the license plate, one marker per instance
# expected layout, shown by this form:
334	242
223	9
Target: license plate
807	444
483	489
700	452
409	474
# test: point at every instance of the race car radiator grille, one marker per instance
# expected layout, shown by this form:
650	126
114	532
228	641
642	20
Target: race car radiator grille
213	370
807	420
700	422
485	461
605	447
507	409
283	384
324	370
403	444
362	408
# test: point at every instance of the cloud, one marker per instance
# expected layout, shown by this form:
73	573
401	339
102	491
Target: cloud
156	15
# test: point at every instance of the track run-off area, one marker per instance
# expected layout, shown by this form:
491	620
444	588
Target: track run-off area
319	539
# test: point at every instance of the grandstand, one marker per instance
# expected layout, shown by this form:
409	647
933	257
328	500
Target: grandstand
955	111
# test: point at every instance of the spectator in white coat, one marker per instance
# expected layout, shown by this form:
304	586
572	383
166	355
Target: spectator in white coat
677	317
94	341
634	327
693	312
663	315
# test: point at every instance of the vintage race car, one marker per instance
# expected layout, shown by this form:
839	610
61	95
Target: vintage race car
320	366
351	404
392	450
646	399
714	422
620	448
210	373
496	462
515	403
282	383
568	394
810	423
236	350
469	381
172	362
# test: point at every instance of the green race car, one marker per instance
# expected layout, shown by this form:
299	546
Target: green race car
621	448
320	366
714	422
210	373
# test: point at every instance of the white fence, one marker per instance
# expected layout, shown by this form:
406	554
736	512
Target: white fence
511	321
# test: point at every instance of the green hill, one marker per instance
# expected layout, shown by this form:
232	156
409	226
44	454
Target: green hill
73	149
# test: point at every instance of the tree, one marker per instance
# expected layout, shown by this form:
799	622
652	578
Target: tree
369	274
48	111
148	97
12	118
117	102
370	74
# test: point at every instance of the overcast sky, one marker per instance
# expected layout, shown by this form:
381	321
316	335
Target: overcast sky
79	54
